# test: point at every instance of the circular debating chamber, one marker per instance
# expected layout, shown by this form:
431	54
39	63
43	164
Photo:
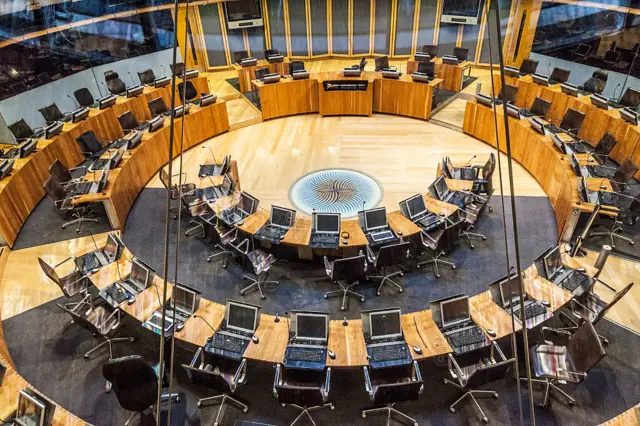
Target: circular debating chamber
279	212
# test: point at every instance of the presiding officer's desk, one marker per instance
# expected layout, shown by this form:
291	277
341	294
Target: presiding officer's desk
247	74
452	75
400	96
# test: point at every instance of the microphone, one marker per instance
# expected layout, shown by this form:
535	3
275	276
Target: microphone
614	91
165	72
157	294
105	88
118	269
74	101
132	80
549	69
212	154
344	322
363	203
94	241
206	322
469	162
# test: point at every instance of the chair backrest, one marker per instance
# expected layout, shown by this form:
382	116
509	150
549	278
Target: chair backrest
164	177
147	76
572	119
128	121
240	55
393	254
297	66
21	129
60	172
362	64
270	52
114	83
133	381
606	144
585	348
489	167
594	85
261	72
198	208
208	377
529	66
388	393
490	373
508	93
429	68
350	268
461	53
304	396
430	49
192	93
382	62
53	189
84	97
619	295
451	233
611	56
51	113
90	141
601	74
49	271
623	174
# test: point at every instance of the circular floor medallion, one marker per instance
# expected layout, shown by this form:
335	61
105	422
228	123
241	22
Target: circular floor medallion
335	191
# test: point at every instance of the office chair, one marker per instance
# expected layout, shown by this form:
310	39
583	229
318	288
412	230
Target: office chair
222	235
177	193
440	242
128	122
114	84
472	376
256	261
66	177
239	56
64	205
470	216
430	49
483	183
91	147
601	74
428	68
73	284
199	211
461	53
270	52
84	97
306	391
52	113
296	66
349	269
603	148
554	364
623	175
21	130
191	92
626	215
135	384
590	307
382	62
387	390
594	85
147	76
223	376
362	64
101	321
388	256
572	117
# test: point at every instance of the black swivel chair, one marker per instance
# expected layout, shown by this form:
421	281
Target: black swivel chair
64	204
483	183
84	97
430	49
22	131
135	384
461	53
350	270
239	56
570	123
191	92
601	74
387	390
594	85
128	122
186	190
90	145
72	285
554	364
224	376
439	243
256	261
471	214
388	256
603	148
428	68
306	391
270	52
296	66
114	84
382	62
362	64
66	177
261	72
623	175
613	224
471	376
52	113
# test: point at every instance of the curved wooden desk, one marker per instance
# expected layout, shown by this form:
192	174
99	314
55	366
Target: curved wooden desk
247	74
452	75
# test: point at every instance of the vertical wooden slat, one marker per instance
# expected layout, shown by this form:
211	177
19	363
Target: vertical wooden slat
392	29
267	28
436	27
372	26
287	27
416	27
223	29
309	28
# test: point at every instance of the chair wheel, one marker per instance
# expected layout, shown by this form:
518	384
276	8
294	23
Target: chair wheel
417	266
325	296
245	410
485	420
132	339
571	403
342	308
452	409
437	275
484	238
472	246
401	274
177	399
364	415
64	226
263	297
632	242
495	395
86	356
377	293
199	404
453	267
242	293
362	299
400	290
283	404
186	234
208	260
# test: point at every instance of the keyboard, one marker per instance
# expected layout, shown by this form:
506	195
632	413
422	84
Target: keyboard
116	293
82	188
602	172
99	164
458	198
119	143
388	353
532	310
429	221
609	198
207	170
228	343
382	236
553	128
271	233
91	262
324	241
468	336
574	280
302	354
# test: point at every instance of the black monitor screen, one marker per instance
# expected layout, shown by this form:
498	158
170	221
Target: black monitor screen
280	216
560	75
327	223
540	107
509	291
529	66
243	10
508	93
572	119
470	8
376	218
157	106
311	326
139	274
51	112
553	263
385	324
454	310
607	142
441	187
21	129
430	50
247	203
111	248
583	49
631	98
178	69
128	121
241	316
415	205
429	68
183	299
147	77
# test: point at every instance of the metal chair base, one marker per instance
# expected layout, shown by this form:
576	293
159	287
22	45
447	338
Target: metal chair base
468	235
164	397
345	290
391	412
472	395
435	261
195	226
222	253
79	219
612	234
222	400
549	384
256	284
306	411
386	278
110	343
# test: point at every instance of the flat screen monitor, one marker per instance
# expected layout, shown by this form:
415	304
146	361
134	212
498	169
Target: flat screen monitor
607	142
281	217
31	411
375	219
139	274
147	76
241	316
449	167
227	183
441	187
428	68
510	291
112	247
540	107
631	98
21	129
183	299
416	206
311	326
157	106
327	223
247	203
529	66
461	11
575	164
508	93
552	263
128	121
178	69
572	120
559	75
454	311
385	324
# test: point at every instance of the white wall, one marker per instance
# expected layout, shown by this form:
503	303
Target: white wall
26	105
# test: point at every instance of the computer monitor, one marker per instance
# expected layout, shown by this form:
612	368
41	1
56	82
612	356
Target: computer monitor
529	66
607	142
375	219
139	274
326	223
575	247
241	316
509	291
559	75
385	324
31	411
184	299
441	187
461	53
312	326
454	311
552	263
113	246
248	203
157	106
584	190
631	98
21	129
281	217
575	164
416	206
540	107
448	165
178	70
227	183
147	76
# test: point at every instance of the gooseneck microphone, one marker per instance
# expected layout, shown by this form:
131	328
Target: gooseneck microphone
206	322
469	162
212	154
74	101
132	80
105	88
165	72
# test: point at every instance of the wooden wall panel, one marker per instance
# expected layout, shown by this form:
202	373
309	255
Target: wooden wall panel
361	27
320	39
382	37
340	27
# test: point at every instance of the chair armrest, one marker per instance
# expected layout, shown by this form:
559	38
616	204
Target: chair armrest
64	261
582	306
555	330
229	232
498	351
276	380
327	385
116	312
598	280
469	213
238	377
327	266
243	243
367	383
455	369
196	356
417	374
576	373
371	257
423	234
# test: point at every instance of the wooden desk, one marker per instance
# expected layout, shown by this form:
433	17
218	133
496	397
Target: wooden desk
399	223
490	316
195	331
288	97
347	342
247	74
345	102
404	96
452	75
539	288
426	335
273	338
254	222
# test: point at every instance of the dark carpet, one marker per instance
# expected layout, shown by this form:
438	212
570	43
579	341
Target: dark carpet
441	96
467	81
